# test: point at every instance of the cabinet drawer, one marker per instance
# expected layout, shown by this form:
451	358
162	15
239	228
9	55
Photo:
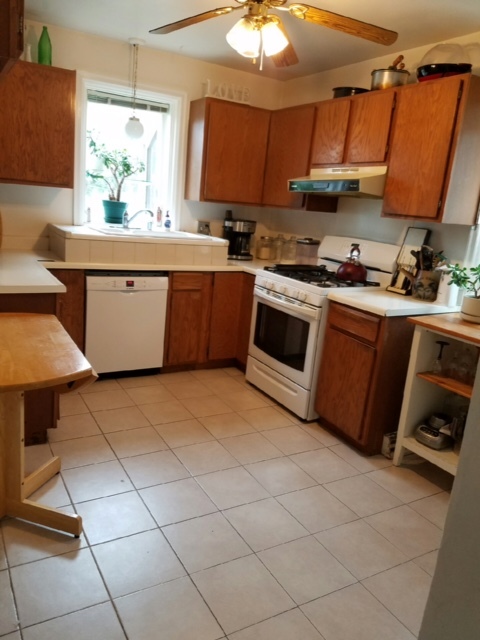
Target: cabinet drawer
356	323
187	281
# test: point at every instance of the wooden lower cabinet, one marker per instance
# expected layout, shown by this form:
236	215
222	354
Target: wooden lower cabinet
245	318
208	319
225	315
70	306
188	318
362	375
41	405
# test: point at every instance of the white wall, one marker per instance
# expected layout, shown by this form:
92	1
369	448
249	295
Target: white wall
27	210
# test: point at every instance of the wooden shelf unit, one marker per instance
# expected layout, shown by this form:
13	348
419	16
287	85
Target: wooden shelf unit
425	391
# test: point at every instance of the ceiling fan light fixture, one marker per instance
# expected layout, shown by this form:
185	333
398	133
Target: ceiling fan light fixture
245	38
273	38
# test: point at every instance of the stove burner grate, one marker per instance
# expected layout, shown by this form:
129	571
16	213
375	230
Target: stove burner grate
317	275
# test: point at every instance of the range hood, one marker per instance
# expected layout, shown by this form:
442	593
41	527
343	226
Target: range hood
359	182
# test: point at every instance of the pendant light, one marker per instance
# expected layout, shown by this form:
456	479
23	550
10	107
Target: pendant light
134	128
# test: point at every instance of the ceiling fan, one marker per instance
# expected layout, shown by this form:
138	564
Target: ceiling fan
260	32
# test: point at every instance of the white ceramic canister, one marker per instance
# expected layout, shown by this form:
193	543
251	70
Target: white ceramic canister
447	294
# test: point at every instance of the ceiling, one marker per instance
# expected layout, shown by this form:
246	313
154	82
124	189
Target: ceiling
418	22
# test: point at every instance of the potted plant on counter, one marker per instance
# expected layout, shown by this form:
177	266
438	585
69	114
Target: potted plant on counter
468	279
115	166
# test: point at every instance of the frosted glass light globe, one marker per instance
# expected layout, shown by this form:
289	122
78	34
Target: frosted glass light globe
134	128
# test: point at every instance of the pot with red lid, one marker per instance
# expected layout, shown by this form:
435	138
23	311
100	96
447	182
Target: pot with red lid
352	269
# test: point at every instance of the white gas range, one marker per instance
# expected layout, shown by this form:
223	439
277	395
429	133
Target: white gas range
289	317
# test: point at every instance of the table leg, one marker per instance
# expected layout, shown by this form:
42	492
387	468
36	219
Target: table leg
14	487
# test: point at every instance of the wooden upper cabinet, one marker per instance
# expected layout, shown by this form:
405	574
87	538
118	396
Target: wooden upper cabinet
330	133
227	148
353	130
369	127
37	126
11	33
288	154
433	166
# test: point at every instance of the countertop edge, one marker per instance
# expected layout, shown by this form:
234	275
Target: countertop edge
388	304
32	272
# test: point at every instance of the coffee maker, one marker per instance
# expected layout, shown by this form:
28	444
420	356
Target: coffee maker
239	233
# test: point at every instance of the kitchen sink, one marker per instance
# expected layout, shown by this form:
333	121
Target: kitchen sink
145	233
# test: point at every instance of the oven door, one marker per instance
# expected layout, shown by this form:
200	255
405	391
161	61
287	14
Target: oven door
283	335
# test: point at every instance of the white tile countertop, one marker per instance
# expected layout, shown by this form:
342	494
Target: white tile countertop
386	303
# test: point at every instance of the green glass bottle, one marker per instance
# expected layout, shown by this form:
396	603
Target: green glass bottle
45	48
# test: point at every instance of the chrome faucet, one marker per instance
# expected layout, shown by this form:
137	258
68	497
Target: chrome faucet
127	220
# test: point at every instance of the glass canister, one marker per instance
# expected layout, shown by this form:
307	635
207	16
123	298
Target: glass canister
307	250
265	248
289	253
278	243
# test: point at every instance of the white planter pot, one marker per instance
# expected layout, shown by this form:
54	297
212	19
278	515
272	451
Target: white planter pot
470	310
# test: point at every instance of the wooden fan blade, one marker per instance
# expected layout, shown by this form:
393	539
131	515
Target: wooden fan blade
342	23
288	57
200	17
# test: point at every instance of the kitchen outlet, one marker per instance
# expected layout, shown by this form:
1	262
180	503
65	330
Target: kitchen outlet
203	227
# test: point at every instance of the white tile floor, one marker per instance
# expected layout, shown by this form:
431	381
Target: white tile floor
209	512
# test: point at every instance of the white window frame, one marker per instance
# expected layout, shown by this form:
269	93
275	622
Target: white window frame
177	103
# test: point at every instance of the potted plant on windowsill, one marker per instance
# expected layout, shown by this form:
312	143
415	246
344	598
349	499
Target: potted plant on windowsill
468	279
116	166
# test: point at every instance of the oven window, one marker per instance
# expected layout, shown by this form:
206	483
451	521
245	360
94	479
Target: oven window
281	336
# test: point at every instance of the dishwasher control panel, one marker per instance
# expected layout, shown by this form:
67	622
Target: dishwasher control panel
126	281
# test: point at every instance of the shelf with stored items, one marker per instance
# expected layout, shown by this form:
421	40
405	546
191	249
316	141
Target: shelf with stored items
435	145
37	127
11	33
447	391
353	130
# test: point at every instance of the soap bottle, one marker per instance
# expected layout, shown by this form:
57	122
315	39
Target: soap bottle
45	48
168	223
159	217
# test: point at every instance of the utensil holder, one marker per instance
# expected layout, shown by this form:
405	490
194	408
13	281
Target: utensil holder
425	285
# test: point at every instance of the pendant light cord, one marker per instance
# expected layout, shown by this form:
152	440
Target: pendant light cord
135	67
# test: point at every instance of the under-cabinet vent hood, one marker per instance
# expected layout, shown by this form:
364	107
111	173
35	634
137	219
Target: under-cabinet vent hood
359	182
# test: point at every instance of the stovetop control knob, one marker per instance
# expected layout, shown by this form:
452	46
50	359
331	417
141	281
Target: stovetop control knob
282	288
302	296
269	284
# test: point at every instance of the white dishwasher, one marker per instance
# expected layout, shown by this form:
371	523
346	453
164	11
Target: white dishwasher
125	319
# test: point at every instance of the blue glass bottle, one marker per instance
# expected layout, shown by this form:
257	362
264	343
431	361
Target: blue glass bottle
45	48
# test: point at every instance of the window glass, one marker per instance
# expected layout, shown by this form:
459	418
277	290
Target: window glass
106	117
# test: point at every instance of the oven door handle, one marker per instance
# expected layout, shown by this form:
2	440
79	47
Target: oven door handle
281	303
